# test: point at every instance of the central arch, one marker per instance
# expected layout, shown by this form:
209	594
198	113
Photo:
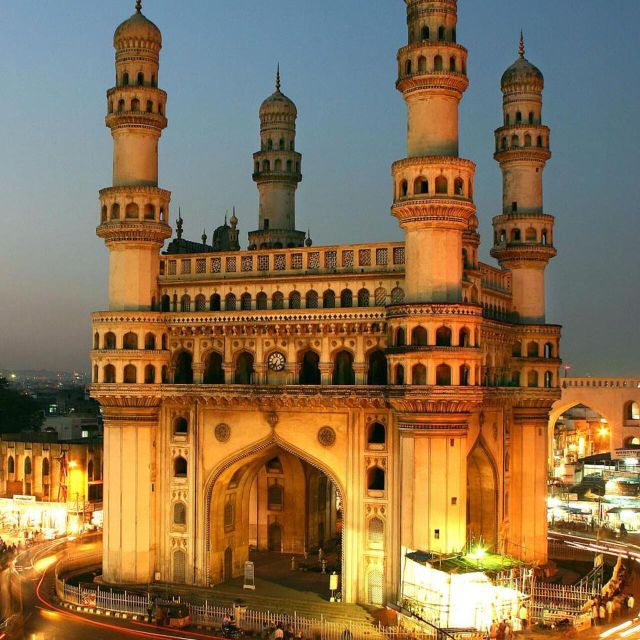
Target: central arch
274	499
482	498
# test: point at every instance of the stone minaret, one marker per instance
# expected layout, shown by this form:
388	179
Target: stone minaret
523	234
277	174
134	211
433	198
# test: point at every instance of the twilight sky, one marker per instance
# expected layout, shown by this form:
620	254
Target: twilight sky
338	65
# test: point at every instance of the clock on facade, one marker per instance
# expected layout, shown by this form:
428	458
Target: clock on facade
276	361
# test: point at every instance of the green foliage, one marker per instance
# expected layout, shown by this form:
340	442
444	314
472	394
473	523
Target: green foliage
18	411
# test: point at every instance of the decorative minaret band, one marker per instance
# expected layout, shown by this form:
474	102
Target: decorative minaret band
134	211
433	197
523	234
277	174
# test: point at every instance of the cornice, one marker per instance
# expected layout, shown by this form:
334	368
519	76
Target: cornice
440	161
437	310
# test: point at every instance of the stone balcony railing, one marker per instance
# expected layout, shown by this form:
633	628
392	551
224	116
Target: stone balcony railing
369	258
611	383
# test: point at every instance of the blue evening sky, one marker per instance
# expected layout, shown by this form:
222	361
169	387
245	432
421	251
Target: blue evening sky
338	65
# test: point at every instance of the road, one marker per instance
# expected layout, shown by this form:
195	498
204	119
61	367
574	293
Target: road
33	583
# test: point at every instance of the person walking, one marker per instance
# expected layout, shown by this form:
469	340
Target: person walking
609	609
630	603
524	617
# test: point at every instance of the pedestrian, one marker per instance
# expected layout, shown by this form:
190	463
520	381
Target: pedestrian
493	630
299	635
609	608
279	632
508	631
500	635
630	603
524	617
602	613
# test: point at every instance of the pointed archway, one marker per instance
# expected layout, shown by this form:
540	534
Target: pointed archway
482	498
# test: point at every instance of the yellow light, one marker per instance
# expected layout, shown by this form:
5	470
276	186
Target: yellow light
478	553
603	431
44	563
73	464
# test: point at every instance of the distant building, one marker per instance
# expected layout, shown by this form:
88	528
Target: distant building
394	394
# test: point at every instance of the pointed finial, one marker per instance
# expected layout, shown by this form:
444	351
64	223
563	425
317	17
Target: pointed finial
521	49
139	6
179	224
204	236
278	79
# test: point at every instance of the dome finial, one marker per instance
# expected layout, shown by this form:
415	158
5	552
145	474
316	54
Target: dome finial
179	224
139	6
521	49
278	78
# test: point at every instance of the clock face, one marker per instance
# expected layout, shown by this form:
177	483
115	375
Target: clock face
276	361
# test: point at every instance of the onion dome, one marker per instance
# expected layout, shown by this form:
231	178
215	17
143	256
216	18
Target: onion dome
277	102
139	28
522	71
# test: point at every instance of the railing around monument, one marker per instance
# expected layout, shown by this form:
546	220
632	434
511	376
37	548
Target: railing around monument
601	383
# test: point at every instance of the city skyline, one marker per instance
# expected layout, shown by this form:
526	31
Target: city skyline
55	271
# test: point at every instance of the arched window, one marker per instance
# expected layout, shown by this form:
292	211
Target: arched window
229	516
11	465
548	379
504	144
377	374
375	533
45	467
515	235
539	142
425	33
442	185
418	375
261	301
465	337
180	467
407	68
214	302
269	144
149	342
277	302
181	426
346	298
289	166
266	166
109	374
184	368
380	295
464	375
131	211
275	497
130	341
633	411
531	117
515	379
135	105
180	513
438	64
419	337
140	79
518	117
103	213
245	302
376	434
404	189
281	146
230	302
213	371
458	187
120	106
363	298
295	301
441	33
201	303
401	339
125	78
329	299
185	303
420	186
452	64
312	299
443	337
90	471
548	350
527	140
278	165
515	141
310	368
533	350
244	369
149	106
530	235
397	295
27	466
343	373
149	374
422	64
516	350
399	377
165	303
130	374
375	479
532	379
443	375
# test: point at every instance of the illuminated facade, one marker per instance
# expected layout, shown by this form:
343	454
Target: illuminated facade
276	397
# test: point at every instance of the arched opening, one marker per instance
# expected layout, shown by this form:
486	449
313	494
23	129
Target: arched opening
458	187
130	341
515	141
180	513
277	301
311	299
407	68
45	468
482	499
27	466
310	368
420	186
125	78
532	379
375	479
438	64
377	374
400	339
399	377
109	374
533	350
244	371
180	467
465	372
103	213
214	302
548	350
295	301
11	465
165	303
261	301
213	370
135	105
442	185
245	302
531	235
404	189
376	435
527	140
180	426
185	303
329	299
548	379
441	33
230	302
267	507
363	298
443	375
346	298
422	64
375	533
131	211
149	106
343	372
516	349
425	33
130	374
183	368
419	337
150	342
632	411
418	375
515	235
443	337
464	337
149	374
201	302
141	79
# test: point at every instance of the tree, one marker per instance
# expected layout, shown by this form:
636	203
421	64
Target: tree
18	411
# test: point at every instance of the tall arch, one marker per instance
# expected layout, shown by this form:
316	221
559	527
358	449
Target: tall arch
482	497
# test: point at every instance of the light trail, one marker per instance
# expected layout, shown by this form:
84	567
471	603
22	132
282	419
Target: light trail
620	627
630	631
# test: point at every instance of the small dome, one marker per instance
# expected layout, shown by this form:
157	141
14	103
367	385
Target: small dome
138	27
278	103
522	71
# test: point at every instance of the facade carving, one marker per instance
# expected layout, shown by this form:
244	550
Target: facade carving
391	394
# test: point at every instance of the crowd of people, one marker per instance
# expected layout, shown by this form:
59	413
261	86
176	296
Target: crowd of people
7	552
